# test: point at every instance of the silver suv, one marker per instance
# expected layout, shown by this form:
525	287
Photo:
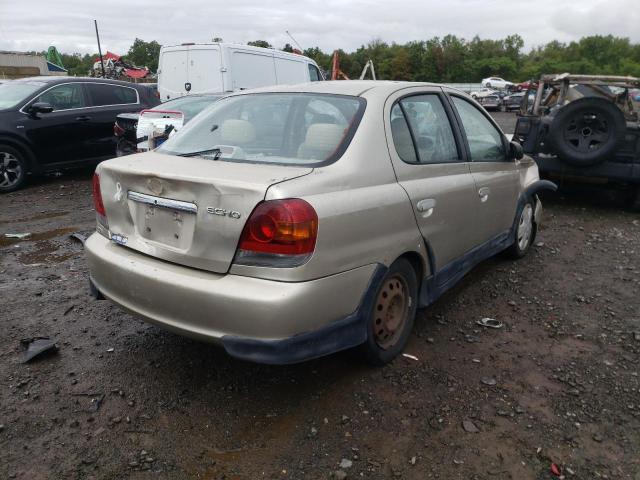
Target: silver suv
288	223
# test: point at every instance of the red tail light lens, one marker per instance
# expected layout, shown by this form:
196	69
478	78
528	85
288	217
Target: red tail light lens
279	233
118	131
97	196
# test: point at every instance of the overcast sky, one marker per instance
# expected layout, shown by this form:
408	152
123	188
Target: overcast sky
329	24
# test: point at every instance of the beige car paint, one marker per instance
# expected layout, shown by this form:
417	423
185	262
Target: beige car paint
366	217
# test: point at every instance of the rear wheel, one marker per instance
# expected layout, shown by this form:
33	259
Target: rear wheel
13	169
526	230
392	315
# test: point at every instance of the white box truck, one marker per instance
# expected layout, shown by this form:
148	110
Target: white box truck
223	67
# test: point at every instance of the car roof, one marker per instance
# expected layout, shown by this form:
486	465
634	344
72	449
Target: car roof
342	87
65	79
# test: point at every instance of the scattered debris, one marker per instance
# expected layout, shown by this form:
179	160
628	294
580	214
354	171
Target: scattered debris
555	470
490	323
19	236
68	310
489	381
412	357
469	426
37	346
110	350
346	463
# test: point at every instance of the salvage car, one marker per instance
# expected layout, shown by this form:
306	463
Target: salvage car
255	228
497	82
491	102
55	123
584	128
132	137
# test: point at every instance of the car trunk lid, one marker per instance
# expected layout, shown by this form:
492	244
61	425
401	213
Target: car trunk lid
189	211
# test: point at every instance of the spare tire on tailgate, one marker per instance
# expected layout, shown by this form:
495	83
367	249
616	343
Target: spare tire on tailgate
587	131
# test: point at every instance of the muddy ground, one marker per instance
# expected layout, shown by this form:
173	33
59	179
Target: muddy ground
557	385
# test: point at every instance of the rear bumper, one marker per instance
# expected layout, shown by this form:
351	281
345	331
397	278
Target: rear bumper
255	319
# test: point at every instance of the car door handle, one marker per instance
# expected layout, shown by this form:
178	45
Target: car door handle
83	118
483	193
426	206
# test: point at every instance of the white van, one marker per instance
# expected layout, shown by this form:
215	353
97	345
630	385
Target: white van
224	67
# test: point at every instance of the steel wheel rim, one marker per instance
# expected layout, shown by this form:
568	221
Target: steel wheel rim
10	169
390	311
587	132
525	226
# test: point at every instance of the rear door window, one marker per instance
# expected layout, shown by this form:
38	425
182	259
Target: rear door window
425	123
64	97
102	94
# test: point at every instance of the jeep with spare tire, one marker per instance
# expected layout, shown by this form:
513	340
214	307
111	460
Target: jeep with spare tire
583	128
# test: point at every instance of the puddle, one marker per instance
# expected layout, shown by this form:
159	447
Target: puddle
4	241
41	216
44	254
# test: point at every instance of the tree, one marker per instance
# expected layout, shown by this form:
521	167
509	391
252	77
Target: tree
144	54
260	43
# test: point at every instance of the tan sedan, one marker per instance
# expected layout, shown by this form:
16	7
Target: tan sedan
288	223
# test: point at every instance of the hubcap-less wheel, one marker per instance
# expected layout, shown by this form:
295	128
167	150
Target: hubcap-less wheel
390	311
525	227
587	132
10	170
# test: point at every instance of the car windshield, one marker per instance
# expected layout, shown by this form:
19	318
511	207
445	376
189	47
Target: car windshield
190	106
281	128
13	93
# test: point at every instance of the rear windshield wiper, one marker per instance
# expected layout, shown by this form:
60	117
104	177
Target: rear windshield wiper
216	153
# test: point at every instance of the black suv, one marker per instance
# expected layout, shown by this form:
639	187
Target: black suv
55	123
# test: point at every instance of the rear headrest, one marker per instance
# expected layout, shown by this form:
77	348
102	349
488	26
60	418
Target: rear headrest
324	136
237	132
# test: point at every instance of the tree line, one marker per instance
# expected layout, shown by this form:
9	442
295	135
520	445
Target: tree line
448	59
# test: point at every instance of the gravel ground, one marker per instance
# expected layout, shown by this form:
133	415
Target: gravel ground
556	387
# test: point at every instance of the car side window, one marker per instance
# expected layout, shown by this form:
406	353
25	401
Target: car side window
64	97
485	140
314	74
102	94
429	127
402	136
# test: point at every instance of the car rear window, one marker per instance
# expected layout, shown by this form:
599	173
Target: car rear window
189	106
102	94
280	128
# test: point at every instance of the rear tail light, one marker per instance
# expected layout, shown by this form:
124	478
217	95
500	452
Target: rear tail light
279	233
101	214
118	131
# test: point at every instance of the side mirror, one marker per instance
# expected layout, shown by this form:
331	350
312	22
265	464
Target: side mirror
515	150
40	107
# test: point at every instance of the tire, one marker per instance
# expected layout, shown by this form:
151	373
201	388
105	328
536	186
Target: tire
526	230
390	321
587	131
13	169
488	85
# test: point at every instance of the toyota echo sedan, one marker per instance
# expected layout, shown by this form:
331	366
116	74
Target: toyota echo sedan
292	222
